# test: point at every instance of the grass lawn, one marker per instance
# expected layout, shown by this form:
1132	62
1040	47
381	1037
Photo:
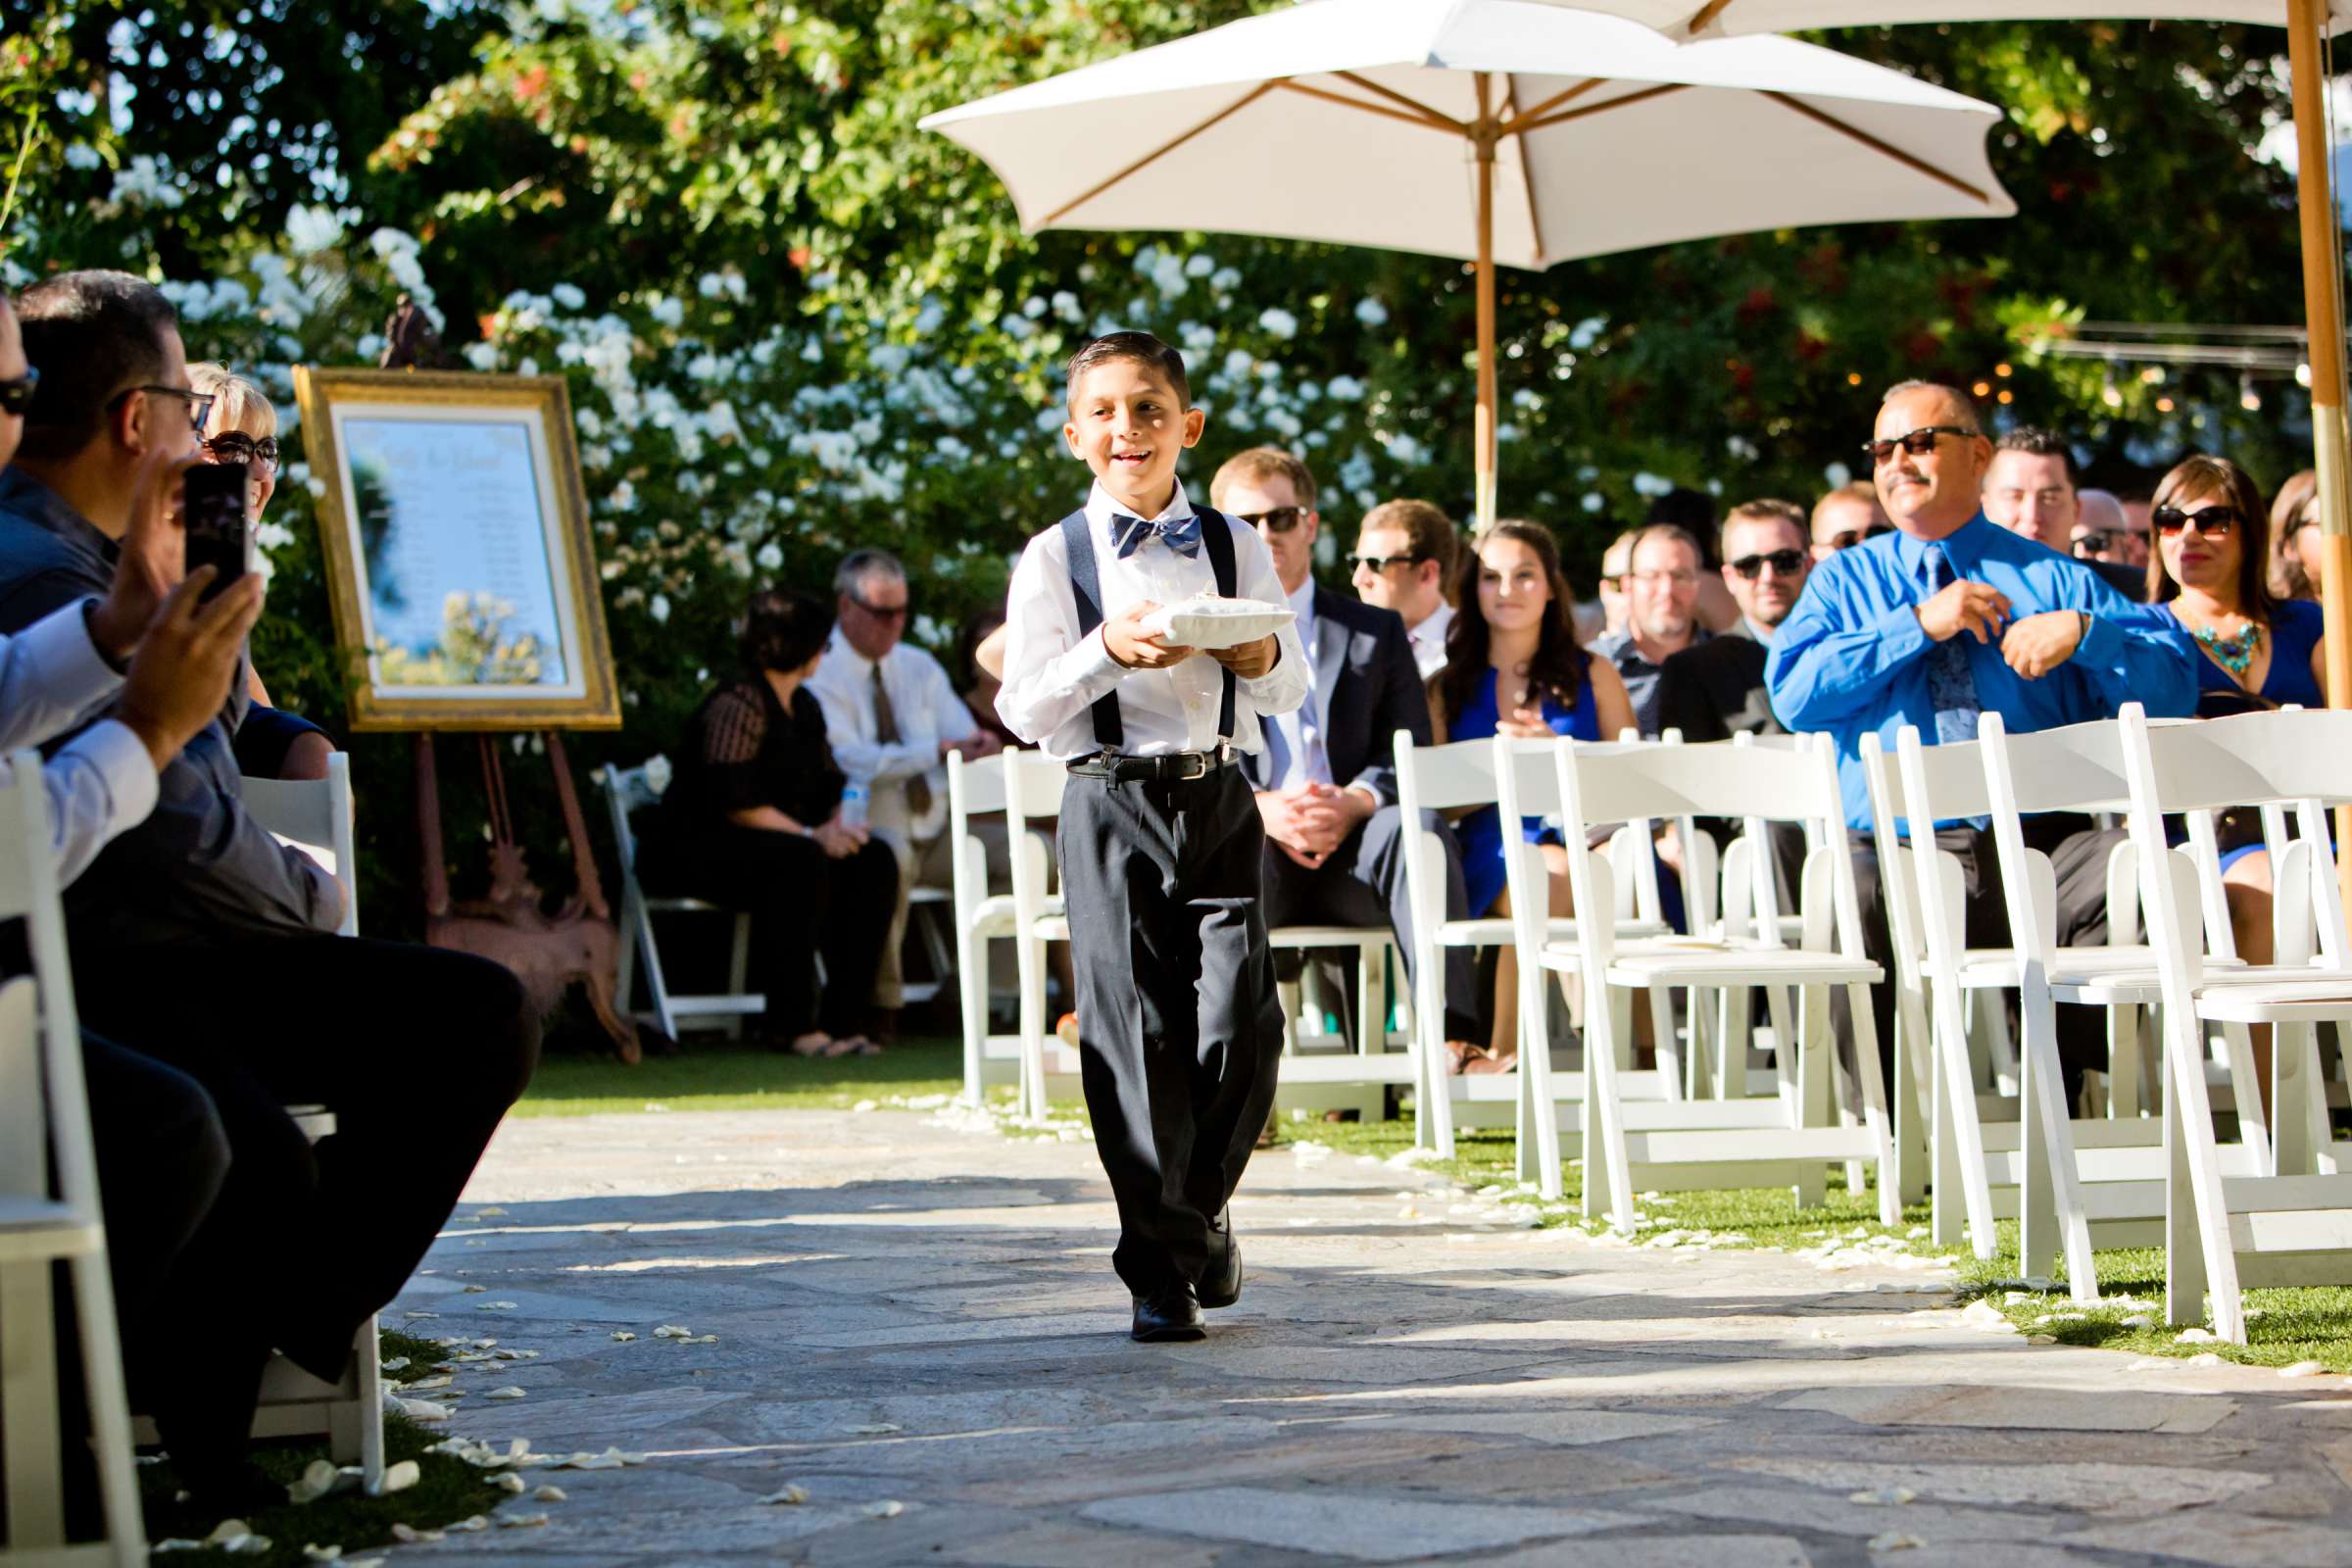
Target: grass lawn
2284	1327
449	1490
710	1073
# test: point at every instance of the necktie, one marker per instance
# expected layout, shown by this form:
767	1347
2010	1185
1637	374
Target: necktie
1180	534
886	730
1951	685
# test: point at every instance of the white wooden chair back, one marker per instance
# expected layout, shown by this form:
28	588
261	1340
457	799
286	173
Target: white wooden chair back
313	815
45	1122
1033	783
975	788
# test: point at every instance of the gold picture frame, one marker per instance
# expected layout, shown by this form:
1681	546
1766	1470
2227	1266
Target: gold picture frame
458	556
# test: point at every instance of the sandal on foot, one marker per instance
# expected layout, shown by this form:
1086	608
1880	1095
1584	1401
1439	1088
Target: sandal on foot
812	1045
1485	1062
1456	1054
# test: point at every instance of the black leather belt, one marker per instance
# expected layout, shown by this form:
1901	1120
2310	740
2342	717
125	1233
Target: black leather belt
1153	770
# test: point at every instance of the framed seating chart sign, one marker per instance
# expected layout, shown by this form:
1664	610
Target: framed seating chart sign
458	550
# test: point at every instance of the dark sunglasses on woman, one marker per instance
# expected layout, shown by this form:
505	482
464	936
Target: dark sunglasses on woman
2214	523
235	446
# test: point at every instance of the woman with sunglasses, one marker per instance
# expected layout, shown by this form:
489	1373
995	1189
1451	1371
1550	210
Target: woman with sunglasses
2210	573
241	427
1513	666
2296	538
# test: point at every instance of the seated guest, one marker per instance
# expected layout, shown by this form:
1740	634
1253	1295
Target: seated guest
1326	781
2030	490
979	679
2210	579
199	891
753	822
1715	690
2296	542
1615	563
242	427
1515	669
1403	560
1661	591
2103	532
1693	512
1846	516
892	716
1947	617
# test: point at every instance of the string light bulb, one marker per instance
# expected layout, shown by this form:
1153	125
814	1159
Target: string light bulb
2248	398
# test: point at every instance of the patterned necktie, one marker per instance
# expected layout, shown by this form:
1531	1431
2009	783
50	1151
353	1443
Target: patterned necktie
1951	685
1180	534
886	731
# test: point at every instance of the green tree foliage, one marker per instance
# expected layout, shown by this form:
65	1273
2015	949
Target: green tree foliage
793	322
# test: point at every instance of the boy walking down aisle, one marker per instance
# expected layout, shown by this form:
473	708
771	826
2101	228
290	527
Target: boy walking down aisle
1180	1033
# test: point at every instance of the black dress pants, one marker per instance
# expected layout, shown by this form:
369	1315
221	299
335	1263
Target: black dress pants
802	902
417	1051
1363	883
1180	1033
2078	853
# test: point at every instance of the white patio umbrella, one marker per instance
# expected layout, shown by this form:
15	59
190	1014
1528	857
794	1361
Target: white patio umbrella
1504	131
2308	24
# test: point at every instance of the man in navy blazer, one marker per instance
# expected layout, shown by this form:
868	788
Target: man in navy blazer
1326	781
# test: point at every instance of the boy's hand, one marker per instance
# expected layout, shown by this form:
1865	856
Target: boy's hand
1249	660
1134	647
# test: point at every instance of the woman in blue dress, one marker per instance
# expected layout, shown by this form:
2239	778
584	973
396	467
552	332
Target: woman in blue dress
2210	573
1513	666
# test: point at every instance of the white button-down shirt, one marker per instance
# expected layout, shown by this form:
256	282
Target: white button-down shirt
1052	675
923	702
102	782
1428	639
1301	753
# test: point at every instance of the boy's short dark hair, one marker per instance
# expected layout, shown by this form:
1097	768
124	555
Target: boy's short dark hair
1140	348
783	629
92	336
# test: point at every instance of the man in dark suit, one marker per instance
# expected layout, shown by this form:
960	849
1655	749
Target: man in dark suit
2030	490
1326	781
1716	690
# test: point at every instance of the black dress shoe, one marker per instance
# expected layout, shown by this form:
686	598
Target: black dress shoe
1221	1286
1169	1315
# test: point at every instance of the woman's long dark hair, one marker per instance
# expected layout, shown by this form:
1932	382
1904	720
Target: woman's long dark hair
2206	478
1556	672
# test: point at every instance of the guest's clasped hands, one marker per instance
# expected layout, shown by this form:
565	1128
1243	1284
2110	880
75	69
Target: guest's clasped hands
2032	646
1135	648
1309	821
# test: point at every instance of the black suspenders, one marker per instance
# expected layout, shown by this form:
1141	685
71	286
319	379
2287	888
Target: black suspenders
1086	587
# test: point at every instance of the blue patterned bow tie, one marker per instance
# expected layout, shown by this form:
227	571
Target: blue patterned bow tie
1180	534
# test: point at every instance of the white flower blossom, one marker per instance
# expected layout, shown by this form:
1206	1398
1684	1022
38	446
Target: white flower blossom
82	156
1587	332
659	606
770	556
1839	475
1342	389
1225	280
1279	322
1371	312
311	229
1066	305
482	356
1200	265
1032	307
1595	500
569	295
1651	484
668	312
624	497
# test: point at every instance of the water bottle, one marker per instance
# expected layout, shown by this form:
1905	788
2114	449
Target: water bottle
853	805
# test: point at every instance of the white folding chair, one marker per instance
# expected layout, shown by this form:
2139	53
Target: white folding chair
2225	1231
626	790
976	789
1033	783
1459	776
315	815
1630	1143
45	1119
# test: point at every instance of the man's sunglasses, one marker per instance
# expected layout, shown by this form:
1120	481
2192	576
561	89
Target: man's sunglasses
1280	520
880	612
1919	443
1846	538
1378	564
16	397
235	446
200	404
1784	563
2214	523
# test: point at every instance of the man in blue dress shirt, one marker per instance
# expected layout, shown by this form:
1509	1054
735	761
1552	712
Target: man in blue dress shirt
1942	620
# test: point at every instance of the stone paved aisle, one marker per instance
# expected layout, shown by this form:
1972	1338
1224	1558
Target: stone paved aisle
915	1314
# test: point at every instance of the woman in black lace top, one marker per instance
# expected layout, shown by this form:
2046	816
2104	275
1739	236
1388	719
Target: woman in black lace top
752	820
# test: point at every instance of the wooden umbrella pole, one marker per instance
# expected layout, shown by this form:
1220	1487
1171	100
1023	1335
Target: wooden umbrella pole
2323	309
1484	137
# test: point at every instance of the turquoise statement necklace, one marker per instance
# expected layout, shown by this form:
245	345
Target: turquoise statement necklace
2233	654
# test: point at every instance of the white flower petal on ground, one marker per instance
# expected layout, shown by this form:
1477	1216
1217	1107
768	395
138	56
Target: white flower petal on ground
671	1331
397	1364
886	1508
509	1481
411	1536
2194	1337
2139	1320
520	1521
494	1306
476	1290
400	1477
876	1429
323	1554
2207	1358
424	1410
623	1336
791	1497
1895	1540
549	1493
422	1384
508	1393
2041	1339
317	1480
477	1522
2303	1369
516	1355
1889	1496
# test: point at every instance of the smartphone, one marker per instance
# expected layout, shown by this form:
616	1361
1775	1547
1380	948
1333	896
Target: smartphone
218	535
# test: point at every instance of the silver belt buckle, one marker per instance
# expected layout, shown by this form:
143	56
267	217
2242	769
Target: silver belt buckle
1196	765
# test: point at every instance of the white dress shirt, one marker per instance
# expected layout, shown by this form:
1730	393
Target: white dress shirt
924	700
1052	675
1296	746
102	782
1428	639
